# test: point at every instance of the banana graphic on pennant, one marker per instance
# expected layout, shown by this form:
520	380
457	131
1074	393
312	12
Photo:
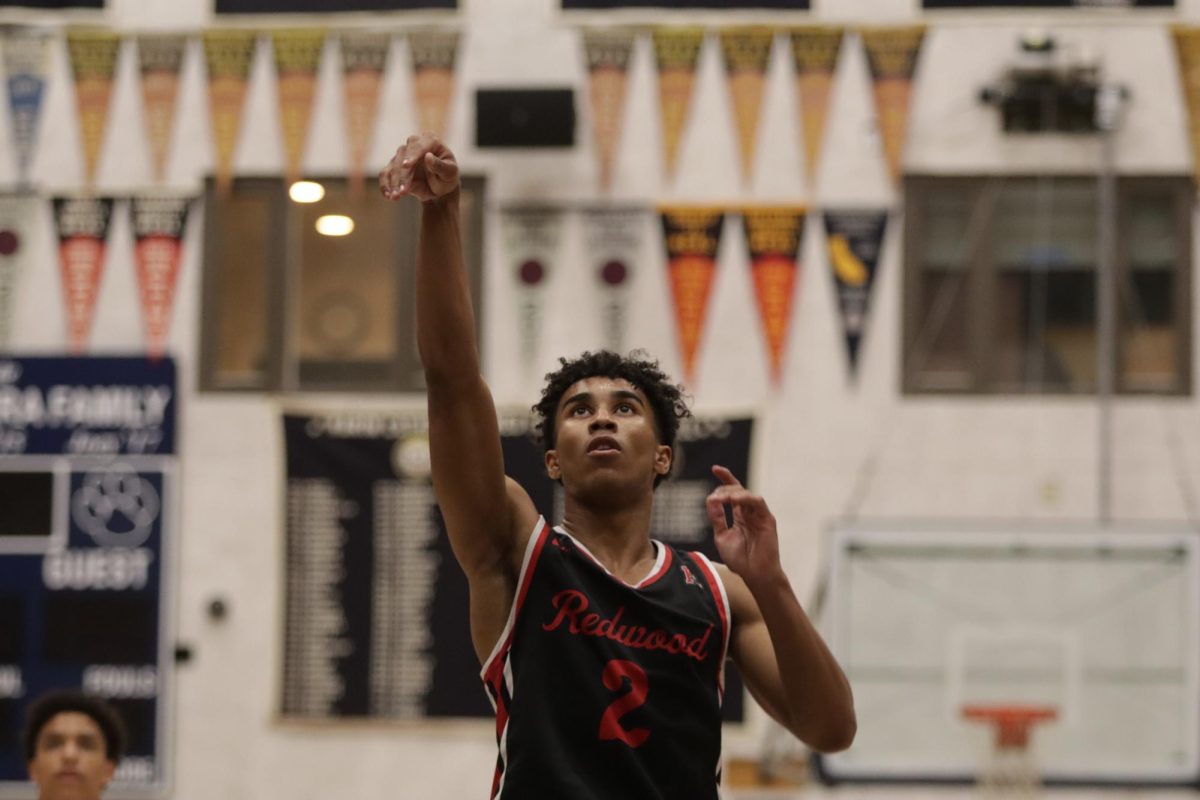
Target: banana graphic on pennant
848	267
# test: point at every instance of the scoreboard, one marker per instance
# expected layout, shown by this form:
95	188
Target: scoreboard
86	479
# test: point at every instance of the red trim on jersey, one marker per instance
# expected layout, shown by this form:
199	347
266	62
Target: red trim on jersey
493	670
718	592
661	571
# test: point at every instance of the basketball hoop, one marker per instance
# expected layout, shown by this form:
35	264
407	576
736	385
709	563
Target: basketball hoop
1011	770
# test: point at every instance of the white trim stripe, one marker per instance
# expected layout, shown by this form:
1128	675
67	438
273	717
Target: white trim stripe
659	559
502	642
724	599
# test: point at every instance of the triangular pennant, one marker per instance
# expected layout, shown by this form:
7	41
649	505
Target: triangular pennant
1187	51
814	54
93	64
892	56
297	57
774	237
607	53
364	61
25	59
676	52
854	240
533	239
747	53
229	56
613	240
160	58
82	225
158	227
16	216
692	236
433	57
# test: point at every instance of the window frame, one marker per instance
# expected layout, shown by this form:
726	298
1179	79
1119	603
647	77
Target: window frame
981	276
282	368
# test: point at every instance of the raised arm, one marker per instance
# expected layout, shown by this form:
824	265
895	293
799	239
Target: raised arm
482	510
781	656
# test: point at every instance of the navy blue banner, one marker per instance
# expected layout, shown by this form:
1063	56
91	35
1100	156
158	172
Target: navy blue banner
376	611
85	535
92	406
52	3
327	6
1105	4
788	5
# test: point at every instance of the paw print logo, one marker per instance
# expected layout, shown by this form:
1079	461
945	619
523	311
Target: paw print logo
116	507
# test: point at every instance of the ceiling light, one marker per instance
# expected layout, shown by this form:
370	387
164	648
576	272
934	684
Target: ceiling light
306	191
335	225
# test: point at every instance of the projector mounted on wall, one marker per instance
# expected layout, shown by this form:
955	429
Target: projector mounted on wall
1048	89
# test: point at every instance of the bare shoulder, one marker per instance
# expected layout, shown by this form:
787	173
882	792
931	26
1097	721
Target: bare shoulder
742	605
523	517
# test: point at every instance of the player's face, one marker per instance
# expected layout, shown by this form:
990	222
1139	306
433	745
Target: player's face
605	435
70	761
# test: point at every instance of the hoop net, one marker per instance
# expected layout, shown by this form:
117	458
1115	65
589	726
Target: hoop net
1010	771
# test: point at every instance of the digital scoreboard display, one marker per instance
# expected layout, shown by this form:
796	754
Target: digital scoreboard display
86	476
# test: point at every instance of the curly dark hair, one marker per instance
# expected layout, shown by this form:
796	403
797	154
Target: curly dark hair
667	400
50	704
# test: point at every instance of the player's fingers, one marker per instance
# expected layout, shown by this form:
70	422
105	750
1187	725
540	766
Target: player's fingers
725	476
716	514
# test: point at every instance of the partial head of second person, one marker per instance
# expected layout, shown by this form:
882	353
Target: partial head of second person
73	742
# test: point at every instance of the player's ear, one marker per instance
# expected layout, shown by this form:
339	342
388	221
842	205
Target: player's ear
552	467
663	457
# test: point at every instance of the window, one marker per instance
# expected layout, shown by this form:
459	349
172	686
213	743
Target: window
1001	283
289	308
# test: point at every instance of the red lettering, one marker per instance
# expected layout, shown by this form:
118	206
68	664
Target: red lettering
571	604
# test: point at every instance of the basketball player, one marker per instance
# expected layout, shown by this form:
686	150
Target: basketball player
602	650
73	743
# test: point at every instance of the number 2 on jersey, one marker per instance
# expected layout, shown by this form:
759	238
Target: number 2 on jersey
616	672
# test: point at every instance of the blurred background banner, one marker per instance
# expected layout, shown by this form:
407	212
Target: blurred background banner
375	600
86	547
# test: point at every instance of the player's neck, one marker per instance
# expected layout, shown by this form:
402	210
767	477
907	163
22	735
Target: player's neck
618	538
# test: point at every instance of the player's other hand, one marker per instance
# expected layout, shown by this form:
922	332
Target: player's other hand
422	167
750	546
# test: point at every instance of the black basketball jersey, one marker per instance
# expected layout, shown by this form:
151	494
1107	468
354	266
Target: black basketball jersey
606	690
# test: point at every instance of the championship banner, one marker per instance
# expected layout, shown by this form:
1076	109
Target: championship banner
1187	50
229	56
533	239
433	56
93	63
16	220
613	240
747	54
82	225
815	55
676	52
692	236
364	61
25	60
892	56
774	237
854	240
608	53
297	57
376	608
160	58
158	227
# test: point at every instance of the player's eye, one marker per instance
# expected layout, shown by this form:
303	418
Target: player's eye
579	410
